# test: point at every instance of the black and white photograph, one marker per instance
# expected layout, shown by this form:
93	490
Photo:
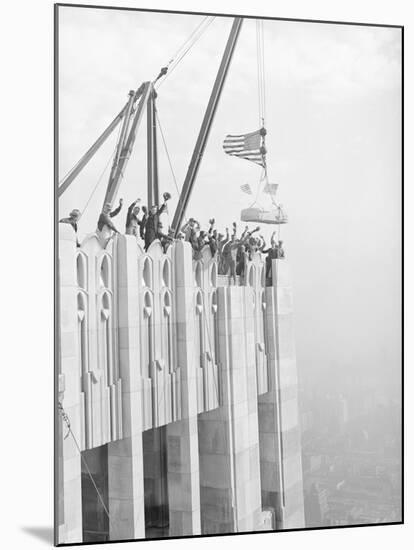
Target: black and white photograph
228	274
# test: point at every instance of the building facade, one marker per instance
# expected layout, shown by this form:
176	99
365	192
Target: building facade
178	393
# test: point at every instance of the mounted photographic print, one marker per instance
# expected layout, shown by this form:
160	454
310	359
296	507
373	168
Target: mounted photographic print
228	282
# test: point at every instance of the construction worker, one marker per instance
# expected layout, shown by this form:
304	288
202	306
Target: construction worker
73	219
132	222
242	261
272	254
151	221
190	229
105	226
281	252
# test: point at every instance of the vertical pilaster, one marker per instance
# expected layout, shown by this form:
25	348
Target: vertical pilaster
182	435
280	452
125	457
71	530
229	440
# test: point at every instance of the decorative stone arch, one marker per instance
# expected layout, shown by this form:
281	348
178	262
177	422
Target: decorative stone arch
166	329
215	328
166	272
106	301
146	332
199	324
251	276
264	305
146	272
82	313
213	274
82	270
263	297
82	301
166	300
148	303
106	356
214	302
198	274
104	272
199	301
263	275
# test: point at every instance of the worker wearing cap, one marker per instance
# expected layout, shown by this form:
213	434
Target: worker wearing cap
73	219
105	224
281	252
190	232
151	221
132	222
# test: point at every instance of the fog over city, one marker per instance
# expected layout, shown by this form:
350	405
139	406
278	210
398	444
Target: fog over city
333	117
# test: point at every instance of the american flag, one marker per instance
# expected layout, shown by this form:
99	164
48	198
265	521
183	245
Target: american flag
246	188
246	146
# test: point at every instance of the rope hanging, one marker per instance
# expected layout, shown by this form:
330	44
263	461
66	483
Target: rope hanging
66	420
183	50
167	152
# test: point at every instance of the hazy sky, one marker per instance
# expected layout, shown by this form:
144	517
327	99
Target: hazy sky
334	147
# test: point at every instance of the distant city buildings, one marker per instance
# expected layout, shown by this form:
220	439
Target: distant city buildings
351	461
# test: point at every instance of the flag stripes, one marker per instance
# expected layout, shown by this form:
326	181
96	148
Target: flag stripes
246	146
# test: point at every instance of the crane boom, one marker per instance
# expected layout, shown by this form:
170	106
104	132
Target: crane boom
98	143
206	126
115	180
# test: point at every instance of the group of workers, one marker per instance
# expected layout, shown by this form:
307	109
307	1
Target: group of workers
232	252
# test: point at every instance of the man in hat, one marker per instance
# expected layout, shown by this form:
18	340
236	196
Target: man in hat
151	221
104	222
132	222
281	252
221	242
272	254
190	229
242	261
73	219
213	242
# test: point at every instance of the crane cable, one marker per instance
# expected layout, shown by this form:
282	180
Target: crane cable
261	93
261	90
172	62
186	47
166	152
66	420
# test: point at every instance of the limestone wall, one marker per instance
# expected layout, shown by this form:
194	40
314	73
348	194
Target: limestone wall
150	339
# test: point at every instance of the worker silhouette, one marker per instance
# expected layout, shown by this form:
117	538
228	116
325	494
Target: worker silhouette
73	219
105	225
151	221
281	252
133	223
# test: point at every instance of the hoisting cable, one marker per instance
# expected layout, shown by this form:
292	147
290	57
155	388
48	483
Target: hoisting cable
261	99
164	70
173	63
166	152
262	58
259	73
66	420
183	45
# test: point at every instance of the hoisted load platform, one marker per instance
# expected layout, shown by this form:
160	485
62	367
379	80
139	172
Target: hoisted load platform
259	215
